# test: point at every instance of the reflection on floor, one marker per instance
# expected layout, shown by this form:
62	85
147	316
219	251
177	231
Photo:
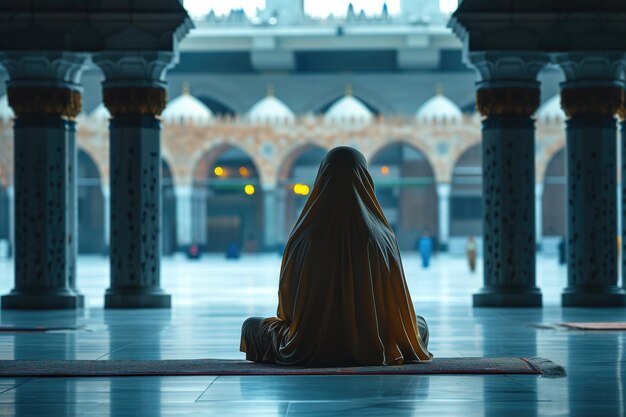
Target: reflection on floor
213	296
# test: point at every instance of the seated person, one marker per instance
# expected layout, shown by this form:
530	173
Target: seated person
342	299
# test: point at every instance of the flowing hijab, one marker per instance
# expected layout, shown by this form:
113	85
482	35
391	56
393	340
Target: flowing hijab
343	298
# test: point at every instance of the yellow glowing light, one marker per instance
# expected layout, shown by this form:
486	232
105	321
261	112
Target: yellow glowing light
301	189
384	170
244	172
248	189
219	171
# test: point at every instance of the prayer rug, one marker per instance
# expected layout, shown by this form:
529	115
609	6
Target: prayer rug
36	329
109	368
618	325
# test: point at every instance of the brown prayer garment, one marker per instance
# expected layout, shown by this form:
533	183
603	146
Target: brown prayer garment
343	299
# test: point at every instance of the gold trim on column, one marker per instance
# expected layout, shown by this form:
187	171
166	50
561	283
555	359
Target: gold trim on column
60	101
599	100
621	111
135	100
507	101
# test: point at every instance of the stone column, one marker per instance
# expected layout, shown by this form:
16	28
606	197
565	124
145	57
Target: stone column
281	212
508	96
134	93
11	196
184	204
443	194
45	96
621	202
106	201
590	97
539	214
270	217
200	194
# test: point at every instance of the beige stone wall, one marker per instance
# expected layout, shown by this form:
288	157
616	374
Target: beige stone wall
190	150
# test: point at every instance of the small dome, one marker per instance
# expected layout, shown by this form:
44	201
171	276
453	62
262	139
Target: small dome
551	111
348	108
6	112
270	110
100	114
439	109
186	109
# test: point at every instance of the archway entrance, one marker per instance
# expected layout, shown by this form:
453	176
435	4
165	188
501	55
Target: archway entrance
228	202
466	199
168	210
298	170
90	206
406	190
553	204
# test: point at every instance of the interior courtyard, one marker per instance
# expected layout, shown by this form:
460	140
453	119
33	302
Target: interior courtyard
155	158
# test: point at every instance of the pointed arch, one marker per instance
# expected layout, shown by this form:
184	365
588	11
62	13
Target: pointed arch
406	189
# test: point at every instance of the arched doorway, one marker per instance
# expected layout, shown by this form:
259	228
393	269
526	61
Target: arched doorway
553	204
299	168
228	202
5	228
168	210
466	198
90	206
406	190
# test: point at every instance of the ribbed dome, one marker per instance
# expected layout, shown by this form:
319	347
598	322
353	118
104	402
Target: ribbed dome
551	110
439	109
6	112
348	109
100	114
270	110
186	109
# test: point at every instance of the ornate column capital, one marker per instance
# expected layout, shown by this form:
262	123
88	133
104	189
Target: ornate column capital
508	69
44	83
135	81
508	83
591	69
135	69
443	190
593	84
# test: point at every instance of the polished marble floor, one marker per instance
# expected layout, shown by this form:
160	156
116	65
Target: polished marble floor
213	296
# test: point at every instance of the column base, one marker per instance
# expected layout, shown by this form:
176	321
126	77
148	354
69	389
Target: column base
593	297
136	298
24	301
501	297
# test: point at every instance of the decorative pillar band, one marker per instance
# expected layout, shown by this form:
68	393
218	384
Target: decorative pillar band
591	101
621	111
135	100
507	101
42	100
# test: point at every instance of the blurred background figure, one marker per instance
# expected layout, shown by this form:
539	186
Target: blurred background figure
562	251
251	245
470	250
425	248
233	251
193	252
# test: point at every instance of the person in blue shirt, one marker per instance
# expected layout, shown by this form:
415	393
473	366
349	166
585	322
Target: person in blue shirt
425	248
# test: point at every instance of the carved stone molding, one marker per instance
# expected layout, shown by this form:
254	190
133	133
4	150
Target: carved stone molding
42	100
583	69
508	69
594	100
135	69
135	100
51	69
511	101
